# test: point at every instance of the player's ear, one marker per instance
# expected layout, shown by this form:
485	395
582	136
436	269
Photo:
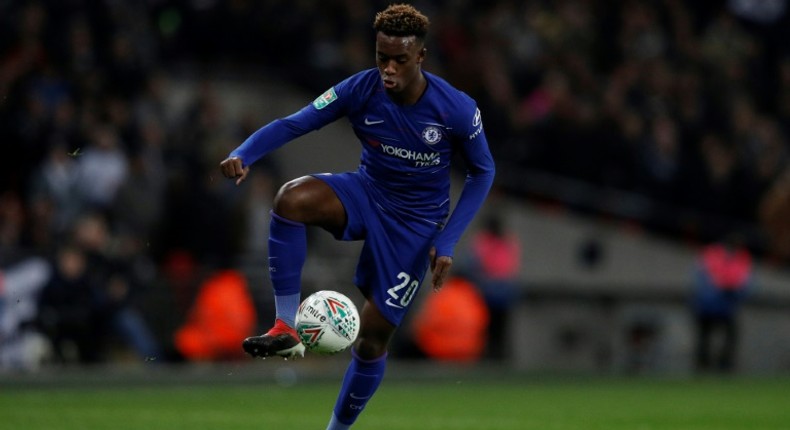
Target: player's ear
421	55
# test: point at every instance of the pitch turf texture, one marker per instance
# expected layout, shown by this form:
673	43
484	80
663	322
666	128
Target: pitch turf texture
462	403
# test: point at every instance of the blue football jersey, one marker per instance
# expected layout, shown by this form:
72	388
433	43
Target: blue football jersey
406	150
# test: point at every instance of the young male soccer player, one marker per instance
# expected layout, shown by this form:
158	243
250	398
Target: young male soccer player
410	123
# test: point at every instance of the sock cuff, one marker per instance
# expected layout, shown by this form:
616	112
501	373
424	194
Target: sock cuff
338	424
278	218
286	306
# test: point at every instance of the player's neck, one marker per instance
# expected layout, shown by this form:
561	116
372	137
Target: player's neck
412	94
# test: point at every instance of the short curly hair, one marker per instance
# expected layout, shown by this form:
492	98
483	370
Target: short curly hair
402	20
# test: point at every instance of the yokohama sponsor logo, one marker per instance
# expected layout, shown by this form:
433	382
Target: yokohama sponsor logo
420	158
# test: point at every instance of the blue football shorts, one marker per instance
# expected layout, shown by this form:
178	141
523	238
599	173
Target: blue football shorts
394	257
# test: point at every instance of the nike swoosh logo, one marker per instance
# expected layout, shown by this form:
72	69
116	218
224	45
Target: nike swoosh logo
369	122
389	303
353	396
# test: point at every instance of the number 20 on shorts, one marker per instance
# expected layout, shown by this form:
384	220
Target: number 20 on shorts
398	298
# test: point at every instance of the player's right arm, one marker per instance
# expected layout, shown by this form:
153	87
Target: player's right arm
232	167
281	131
325	109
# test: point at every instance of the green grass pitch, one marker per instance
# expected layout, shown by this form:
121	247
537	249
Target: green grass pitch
519	403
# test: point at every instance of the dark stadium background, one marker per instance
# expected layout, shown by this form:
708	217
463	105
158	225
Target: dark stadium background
627	134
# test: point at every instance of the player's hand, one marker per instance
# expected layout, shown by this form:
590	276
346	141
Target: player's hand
440	267
232	168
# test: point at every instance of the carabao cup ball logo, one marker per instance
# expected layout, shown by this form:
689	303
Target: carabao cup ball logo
431	135
344	320
310	334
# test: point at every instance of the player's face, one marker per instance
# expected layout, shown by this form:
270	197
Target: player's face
399	60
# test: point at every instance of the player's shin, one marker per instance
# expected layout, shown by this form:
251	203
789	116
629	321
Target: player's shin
287	254
360	383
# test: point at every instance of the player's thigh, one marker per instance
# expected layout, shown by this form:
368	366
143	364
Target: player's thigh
310	201
393	263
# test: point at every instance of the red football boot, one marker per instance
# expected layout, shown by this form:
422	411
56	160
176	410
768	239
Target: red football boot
280	340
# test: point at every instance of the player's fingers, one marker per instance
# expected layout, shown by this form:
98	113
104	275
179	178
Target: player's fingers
231	167
436	282
226	166
432	257
238	170
438	279
243	175
440	273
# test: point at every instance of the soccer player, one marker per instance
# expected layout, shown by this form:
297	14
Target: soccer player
410	123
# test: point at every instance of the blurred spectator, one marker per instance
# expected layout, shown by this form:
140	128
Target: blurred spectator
763	12
54	191
451	324
722	280
222	316
103	168
22	347
494	268
661	160
68	309
139	202
721	183
111	282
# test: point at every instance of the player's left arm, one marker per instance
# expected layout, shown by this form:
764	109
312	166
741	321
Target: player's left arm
474	149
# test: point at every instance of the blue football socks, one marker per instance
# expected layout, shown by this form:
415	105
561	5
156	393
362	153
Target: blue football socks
286	306
361	381
287	254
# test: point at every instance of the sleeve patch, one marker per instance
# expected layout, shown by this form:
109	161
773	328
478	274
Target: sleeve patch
325	99
477	119
477	123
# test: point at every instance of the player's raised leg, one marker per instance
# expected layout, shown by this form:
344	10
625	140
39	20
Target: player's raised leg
303	201
287	254
366	370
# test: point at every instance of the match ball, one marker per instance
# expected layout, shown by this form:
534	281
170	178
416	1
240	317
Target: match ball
327	322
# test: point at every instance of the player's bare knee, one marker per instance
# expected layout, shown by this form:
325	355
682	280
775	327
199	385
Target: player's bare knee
368	348
291	200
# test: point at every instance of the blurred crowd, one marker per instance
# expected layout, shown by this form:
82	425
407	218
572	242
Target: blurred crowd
684	104
103	186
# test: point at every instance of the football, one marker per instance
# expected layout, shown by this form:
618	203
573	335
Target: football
327	322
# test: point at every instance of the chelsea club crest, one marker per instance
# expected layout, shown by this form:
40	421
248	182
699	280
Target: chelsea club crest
431	135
